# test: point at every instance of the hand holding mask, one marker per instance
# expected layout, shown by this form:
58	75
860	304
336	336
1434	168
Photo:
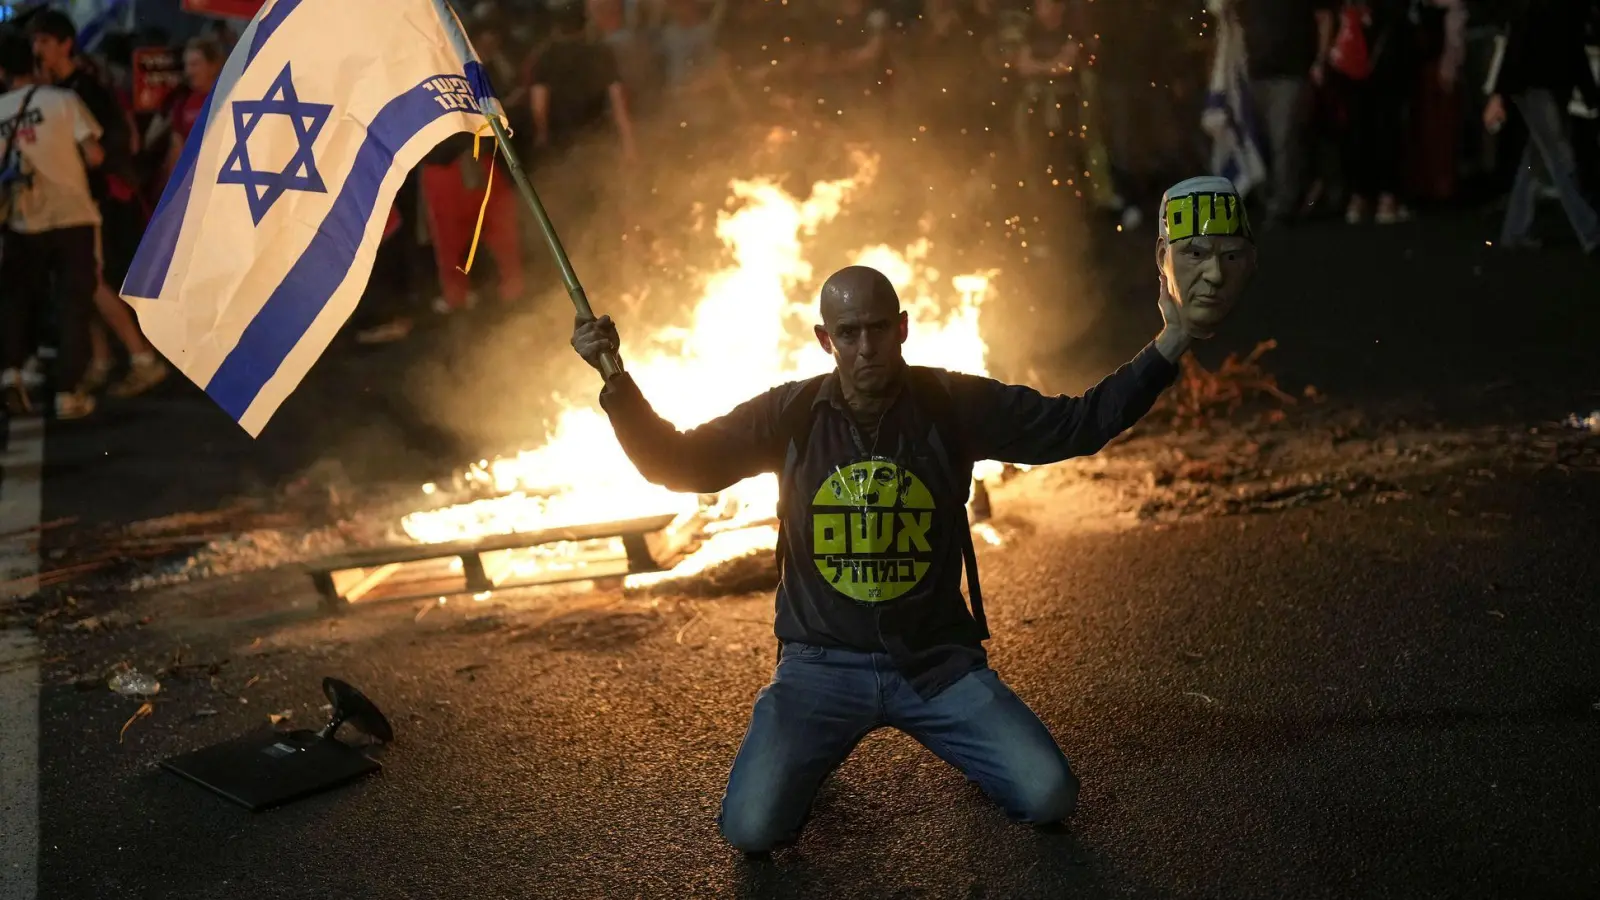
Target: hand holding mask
1205	255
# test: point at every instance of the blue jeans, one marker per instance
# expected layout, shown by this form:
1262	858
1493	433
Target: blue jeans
1550	149
822	702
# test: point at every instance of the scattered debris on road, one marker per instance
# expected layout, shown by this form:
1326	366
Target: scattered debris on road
38	529
1201	395
698	614
260	769
133	683
107	621
145	709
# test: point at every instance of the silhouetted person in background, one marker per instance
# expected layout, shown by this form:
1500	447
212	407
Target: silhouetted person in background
1544	62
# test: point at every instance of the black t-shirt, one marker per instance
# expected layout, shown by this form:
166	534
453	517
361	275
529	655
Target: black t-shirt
1392	40
872	552
1546	49
1137	40
102	103
579	77
1280	36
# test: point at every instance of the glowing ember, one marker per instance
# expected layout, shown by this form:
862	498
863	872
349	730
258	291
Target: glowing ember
718	549
987	533
747	322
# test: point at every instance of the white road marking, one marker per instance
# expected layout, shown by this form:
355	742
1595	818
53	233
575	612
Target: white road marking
21	478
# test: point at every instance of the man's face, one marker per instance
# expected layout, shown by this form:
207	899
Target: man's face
864	332
1207	273
200	72
51	51
1050	13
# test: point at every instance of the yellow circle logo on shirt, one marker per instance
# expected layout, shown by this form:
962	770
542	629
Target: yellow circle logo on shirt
869	530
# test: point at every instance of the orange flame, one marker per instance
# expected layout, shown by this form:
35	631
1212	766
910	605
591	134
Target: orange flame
742	324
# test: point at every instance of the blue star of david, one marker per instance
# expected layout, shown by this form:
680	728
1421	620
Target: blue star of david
263	189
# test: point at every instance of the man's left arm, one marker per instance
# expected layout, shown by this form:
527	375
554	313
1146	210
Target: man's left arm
1017	424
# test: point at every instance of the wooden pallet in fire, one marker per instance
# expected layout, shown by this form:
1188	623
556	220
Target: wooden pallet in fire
600	550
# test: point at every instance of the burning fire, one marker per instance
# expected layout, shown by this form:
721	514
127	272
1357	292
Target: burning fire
747	322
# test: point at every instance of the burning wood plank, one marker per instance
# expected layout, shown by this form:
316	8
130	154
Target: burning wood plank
551	556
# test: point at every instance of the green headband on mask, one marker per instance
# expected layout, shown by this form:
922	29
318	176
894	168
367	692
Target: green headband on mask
1208	205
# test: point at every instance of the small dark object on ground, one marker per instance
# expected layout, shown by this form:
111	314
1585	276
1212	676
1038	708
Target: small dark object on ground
261	771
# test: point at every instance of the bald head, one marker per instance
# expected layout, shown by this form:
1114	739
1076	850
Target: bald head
862	328
860	290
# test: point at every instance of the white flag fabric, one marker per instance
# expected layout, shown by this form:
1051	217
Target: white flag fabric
265	236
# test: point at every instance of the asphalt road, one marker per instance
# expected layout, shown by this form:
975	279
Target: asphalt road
1391	701
1346	700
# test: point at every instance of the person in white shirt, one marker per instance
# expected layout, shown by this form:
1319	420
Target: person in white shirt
48	247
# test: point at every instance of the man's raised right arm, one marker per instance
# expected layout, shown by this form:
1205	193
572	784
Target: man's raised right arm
702	460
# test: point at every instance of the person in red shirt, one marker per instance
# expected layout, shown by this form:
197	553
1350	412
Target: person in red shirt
202	63
454	186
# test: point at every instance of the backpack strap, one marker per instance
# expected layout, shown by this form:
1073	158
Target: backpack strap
12	178
932	387
794	432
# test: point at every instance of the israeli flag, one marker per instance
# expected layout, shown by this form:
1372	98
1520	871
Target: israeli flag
1229	115
264	239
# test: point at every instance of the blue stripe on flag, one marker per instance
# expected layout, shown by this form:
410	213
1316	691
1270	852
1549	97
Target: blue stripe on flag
148	272
269	24
151	262
478	77
311	282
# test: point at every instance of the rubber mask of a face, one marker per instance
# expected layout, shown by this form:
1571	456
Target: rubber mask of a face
1205	253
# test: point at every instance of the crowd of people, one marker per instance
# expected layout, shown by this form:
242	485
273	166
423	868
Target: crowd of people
1086	106
1378	87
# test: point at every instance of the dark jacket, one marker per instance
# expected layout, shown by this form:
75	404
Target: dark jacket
101	101
873	563
1545	50
1281	35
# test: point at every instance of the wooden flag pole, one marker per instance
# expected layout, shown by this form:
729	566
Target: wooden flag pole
609	364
